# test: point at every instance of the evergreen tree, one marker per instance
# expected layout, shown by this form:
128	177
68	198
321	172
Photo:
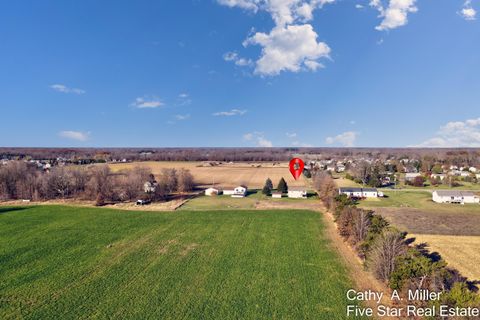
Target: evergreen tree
282	186
268	187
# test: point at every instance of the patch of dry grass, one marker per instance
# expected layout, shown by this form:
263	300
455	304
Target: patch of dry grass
461	252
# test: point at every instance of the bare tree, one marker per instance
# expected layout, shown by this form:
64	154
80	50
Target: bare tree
132	182
79	180
186	182
385	252
362	171
59	182
169	178
361	223
326	188
100	186
16	180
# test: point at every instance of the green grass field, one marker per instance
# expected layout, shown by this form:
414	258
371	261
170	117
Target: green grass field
416	199
75	263
227	202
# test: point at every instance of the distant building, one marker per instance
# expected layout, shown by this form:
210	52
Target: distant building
331	167
454	196
212	191
277	195
410	176
359	192
238	192
297	193
228	191
455	172
150	186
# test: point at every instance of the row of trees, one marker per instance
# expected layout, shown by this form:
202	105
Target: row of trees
282	186
426	158
19	180
390	255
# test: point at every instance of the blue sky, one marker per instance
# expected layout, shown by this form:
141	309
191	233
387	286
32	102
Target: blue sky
232	73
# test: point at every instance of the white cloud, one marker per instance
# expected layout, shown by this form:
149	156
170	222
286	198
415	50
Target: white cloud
233	112
244	4
291	135
346	139
248	136
181	117
259	139
262	142
395	14
291	45
74	135
147	103
64	89
288	48
184	99
233	57
467	12
359	6
456	134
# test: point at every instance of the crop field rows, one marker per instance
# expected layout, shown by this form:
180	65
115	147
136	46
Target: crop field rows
76	263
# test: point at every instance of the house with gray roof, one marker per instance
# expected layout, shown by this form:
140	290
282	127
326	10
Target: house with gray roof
455	196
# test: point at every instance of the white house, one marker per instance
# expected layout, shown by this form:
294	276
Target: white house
228	191
212	191
150	186
465	174
239	192
454	196
455	172
472	169
276	195
410	176
341	168
298	193
359	192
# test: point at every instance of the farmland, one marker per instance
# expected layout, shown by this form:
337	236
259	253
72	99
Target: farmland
68	263
461	252
452	230
252	174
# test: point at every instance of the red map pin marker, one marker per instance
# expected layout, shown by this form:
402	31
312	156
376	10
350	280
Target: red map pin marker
296	167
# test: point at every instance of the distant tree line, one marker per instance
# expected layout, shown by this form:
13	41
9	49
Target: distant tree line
426	157
390	255
21	180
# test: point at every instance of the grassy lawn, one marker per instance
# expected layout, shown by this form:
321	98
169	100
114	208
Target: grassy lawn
249	202
418	200
61	262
